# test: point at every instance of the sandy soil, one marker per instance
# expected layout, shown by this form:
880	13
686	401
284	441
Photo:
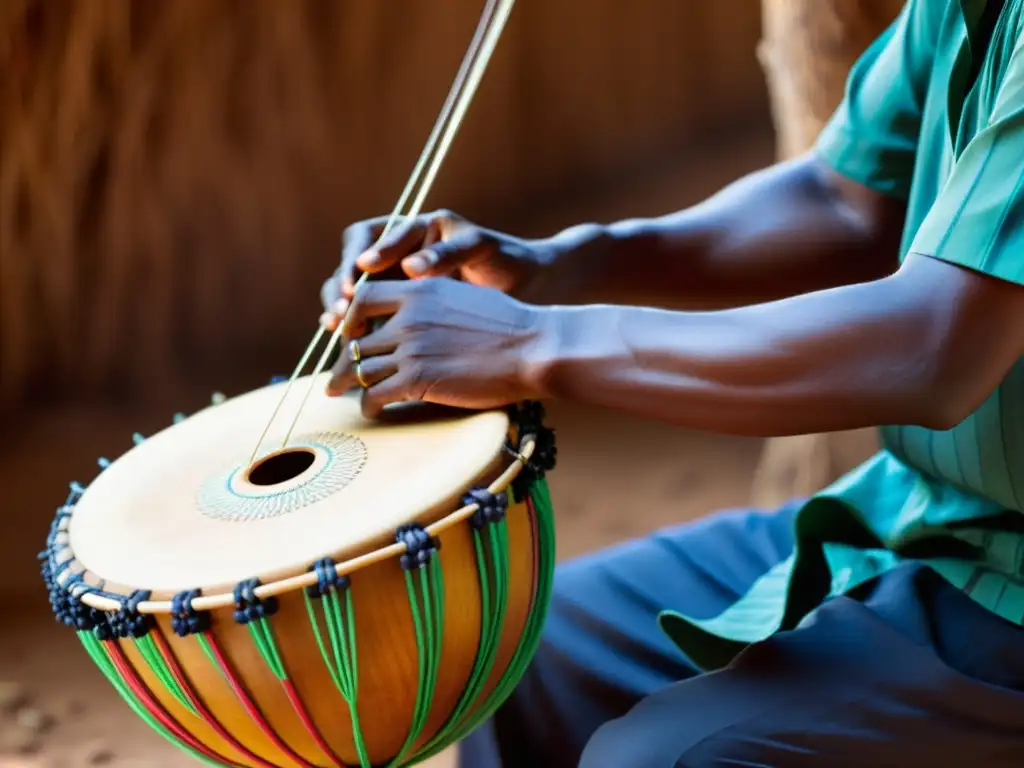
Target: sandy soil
617	478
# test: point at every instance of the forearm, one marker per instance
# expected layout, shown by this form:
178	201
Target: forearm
780	232
844	358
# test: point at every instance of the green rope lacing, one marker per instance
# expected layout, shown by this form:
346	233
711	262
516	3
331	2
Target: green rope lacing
263	636
208	651
339	617
492	617
99	656
426	601
155	661
455	731
530	640
425	589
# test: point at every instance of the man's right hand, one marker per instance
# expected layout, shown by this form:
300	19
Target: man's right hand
439	244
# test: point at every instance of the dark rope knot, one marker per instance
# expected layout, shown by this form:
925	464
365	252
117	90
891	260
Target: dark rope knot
64	608
491	507
72	611
57	594
529	419
327	578
249	607
185	619
128	622
419	546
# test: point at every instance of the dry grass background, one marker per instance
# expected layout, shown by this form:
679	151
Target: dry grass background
153	154
174	177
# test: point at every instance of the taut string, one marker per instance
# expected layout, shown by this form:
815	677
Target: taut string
478	55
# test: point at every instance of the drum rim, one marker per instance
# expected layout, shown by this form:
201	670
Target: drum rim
96	596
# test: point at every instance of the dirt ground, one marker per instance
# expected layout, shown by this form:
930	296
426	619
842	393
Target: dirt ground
617	478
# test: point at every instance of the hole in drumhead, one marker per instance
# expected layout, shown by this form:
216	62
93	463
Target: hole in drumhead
281	467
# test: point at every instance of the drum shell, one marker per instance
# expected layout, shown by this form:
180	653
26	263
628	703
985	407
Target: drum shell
388	659
210	634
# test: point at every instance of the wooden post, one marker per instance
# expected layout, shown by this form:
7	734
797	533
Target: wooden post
807	49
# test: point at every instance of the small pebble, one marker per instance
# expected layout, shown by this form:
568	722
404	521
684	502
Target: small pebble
12	697
76	708
98	753
19	741
33	720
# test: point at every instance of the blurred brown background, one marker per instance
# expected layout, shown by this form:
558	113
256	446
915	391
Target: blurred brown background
175	177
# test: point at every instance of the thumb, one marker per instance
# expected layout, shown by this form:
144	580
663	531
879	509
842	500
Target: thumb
444	258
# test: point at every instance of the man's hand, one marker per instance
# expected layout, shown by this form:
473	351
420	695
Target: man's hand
791	229
439	244
445	342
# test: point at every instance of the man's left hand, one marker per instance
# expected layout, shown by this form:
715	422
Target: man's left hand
444	342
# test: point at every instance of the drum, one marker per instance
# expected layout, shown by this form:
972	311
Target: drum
363	596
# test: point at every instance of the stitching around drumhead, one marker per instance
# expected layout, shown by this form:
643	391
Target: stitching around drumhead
337	459
142	522
532	458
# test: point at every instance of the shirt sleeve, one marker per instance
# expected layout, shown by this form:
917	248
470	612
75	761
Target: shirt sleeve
872	137
977	221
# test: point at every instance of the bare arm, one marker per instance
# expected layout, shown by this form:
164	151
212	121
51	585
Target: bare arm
923	346
790	229
916	347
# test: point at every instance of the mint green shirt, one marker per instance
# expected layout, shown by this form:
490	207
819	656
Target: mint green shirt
911	125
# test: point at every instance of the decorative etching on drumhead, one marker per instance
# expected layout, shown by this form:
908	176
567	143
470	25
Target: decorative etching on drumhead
221	499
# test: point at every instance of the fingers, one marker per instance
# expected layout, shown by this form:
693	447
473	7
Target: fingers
363	253
363	356
382	381
395	246
330	292
334	314
444	258
376	299
436	245
367	373
357	239
329	320
413	244
381	342
395	388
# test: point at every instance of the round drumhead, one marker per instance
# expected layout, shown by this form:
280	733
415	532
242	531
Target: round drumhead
184	510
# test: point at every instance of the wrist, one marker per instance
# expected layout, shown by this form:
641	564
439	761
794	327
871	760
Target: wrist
560	340
540	357
569	262
573	240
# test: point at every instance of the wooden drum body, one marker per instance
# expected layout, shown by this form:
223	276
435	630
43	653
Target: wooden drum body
365	597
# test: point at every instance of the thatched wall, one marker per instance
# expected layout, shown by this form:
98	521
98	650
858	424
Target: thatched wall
174	176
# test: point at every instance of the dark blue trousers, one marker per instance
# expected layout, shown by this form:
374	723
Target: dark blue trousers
910	673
